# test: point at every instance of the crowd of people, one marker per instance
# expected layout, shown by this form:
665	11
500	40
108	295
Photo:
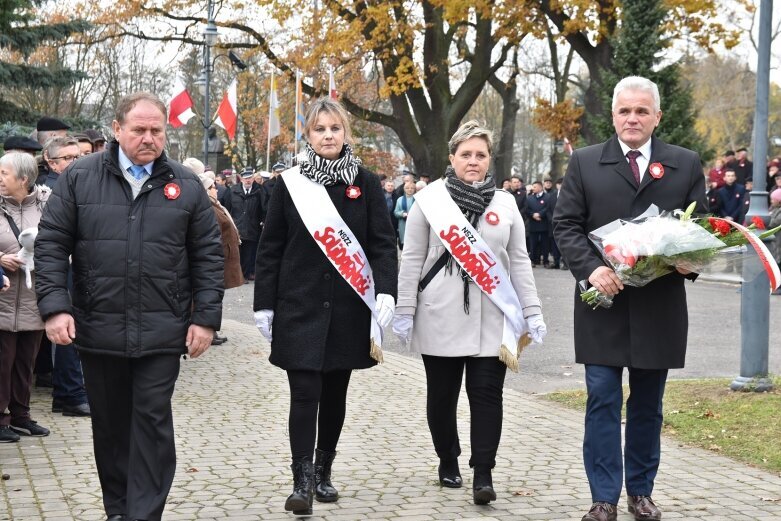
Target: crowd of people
123	283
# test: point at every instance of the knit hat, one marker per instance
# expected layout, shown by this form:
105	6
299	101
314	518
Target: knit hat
207	181
775	195
194	164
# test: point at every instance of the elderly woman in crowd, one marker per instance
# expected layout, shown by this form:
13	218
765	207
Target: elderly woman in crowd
446	307
21	328
327	212
229	235
403	207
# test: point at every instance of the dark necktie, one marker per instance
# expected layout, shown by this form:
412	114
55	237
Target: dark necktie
633	155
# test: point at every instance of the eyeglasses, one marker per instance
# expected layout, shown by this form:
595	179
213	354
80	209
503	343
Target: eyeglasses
67	159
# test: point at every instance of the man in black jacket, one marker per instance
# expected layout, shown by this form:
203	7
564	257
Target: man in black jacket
245	204
144	244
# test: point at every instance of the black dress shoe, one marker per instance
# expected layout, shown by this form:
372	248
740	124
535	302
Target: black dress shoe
601	511
116	517
449	474
81	409
56	406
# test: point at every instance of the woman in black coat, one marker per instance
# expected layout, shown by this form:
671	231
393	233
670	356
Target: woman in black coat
321	327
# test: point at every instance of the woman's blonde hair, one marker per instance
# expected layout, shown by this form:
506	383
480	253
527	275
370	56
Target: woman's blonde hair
469	130
333	107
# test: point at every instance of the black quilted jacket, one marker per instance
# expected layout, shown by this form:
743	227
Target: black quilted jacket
144	269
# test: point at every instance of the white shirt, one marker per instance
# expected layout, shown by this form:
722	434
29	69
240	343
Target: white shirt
135	184
643	159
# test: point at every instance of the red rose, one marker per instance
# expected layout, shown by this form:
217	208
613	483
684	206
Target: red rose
758	222
719	226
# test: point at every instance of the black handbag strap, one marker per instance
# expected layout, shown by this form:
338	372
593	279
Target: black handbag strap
14	227
438	265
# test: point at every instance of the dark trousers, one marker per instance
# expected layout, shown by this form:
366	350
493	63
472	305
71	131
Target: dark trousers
539	247
484	383
133	430
44	363
602	441
17	357
248	251
554	250
67	378
310	391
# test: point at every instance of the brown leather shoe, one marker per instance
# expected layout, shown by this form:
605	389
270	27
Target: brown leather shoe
643	508
601	511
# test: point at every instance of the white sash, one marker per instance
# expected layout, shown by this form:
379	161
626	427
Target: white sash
337	242
474	255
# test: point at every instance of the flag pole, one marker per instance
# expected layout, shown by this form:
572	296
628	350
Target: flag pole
295	115
270	108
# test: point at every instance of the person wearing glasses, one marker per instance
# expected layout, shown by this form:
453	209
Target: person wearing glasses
69	396
59	153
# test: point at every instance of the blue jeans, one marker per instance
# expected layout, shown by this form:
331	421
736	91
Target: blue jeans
67	378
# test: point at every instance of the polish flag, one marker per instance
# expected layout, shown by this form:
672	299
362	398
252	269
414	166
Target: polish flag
332	84
227	113
180	109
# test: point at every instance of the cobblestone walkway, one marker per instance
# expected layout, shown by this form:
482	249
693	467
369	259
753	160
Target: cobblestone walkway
231	412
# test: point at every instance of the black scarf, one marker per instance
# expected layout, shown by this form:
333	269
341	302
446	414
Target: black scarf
472	201
330	172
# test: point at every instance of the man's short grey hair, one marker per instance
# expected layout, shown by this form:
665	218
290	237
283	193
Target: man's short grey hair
22	164
467	131
52	147
637	83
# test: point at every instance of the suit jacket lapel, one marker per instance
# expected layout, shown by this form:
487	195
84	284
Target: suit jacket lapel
611	154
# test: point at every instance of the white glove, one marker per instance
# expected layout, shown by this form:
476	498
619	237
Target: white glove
263	320
383	309
537	329
402	328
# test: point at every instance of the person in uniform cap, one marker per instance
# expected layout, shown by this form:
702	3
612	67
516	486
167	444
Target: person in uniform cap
245	202
21	144
279	167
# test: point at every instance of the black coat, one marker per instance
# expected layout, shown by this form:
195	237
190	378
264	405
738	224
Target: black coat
320	323
646	327
143	268
246	210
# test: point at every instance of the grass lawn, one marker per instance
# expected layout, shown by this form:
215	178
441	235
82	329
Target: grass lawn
745	426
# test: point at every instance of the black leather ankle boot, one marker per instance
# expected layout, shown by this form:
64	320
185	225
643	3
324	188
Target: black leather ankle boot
300	501
324	490
449	474
483	486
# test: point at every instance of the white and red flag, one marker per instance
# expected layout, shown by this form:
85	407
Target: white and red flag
180	109
332	84
227	113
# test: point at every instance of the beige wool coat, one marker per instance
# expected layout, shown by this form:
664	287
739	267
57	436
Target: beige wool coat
441	327
18	305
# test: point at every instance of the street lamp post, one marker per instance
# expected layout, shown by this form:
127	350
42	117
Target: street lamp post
209	39
755	294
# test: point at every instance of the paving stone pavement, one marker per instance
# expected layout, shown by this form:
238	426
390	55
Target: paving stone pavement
230	408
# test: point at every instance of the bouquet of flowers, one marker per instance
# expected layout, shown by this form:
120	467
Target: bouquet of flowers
654	244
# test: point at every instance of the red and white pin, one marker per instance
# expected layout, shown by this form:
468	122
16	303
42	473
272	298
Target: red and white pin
656	170
491	218
353	192
172	191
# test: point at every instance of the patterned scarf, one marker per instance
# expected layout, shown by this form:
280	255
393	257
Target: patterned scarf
327	172
472	200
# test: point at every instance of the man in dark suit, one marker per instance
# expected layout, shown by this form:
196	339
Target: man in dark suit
244	202
538	224
645	329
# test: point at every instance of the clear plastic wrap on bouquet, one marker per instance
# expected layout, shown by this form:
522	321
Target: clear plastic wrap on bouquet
654	244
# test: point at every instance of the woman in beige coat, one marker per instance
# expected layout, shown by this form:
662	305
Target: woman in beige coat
455	326
21	328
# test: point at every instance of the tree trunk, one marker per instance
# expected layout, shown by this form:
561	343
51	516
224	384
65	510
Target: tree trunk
503	153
